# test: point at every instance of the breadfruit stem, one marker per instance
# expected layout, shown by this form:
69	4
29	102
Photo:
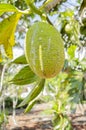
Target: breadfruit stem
33	8
37	11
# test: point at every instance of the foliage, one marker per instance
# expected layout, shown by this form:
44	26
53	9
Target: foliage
25	76
69	87
66	90
33	95
2	119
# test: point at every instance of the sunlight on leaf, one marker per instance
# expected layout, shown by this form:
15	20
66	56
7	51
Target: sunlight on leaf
68	13
71	51
1	13
7	8
0	57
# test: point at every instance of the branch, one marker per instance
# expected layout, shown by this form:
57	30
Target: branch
46	7
52	4
83	5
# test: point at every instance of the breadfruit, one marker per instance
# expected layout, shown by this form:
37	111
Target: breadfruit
44	50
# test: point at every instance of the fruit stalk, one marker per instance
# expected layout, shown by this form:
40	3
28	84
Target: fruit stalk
33	8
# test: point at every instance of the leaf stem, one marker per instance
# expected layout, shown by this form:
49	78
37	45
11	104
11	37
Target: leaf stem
27	11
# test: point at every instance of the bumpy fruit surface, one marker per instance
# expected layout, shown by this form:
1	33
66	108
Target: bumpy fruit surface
44	50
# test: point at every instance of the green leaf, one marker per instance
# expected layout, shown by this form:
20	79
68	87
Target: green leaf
71	51
29	107
34	93
68	13
1	13
0	57
8	8
24	76
20	60
7	30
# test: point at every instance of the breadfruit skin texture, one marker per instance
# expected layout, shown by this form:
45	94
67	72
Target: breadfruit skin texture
44	50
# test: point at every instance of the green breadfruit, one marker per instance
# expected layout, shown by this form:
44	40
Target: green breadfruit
44	50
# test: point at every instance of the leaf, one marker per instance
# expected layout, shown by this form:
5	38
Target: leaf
1	13
71	51
20	60
8	50
0	57
68	13
7	30
7	8
24	76
29	107
34	93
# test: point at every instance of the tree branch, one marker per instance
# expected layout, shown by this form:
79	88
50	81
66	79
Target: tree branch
83	5
52	4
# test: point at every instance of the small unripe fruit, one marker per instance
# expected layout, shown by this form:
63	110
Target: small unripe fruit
44	50
68	28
